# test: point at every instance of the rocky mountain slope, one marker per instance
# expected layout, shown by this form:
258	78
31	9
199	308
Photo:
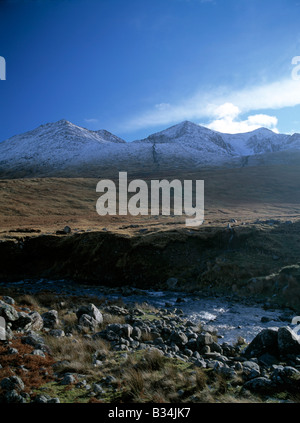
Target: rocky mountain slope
64	149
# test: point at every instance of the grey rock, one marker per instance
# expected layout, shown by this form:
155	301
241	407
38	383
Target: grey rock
40	353
97	388
42	399
68	380
57	333
210	329
26	321
204	339
46	399
50	319
8	300
67	230
251	370
201	363
265	341
286	376
92	311
215	347
267	359
23	321
37	322
34	340
259	385
13	397
179	338
238	366
8	312
12	383
88	322
126	330
216	356
12	351
288	341
120	329
54	401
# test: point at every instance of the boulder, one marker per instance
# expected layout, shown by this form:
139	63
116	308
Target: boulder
179	338
26	321
264	342
92	311
204	339
13	397
50	319
88	322
68	380
37	322
35	340
8	300
260	385
251	370
286	375
8	312
12	383
288	341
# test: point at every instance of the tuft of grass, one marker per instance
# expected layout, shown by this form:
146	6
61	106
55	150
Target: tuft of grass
76	354
201	379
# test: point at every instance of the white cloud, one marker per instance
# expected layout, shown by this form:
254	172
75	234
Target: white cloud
206	105
227	120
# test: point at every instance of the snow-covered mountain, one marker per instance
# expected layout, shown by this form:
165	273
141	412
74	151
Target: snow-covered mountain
64	149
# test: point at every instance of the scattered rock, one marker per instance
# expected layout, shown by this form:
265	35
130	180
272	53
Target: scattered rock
50	319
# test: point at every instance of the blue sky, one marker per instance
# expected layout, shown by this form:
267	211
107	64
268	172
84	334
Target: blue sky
134	67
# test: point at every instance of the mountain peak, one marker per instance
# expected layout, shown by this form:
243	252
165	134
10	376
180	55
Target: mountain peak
263	131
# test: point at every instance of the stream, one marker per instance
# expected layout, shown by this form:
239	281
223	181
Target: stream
231	318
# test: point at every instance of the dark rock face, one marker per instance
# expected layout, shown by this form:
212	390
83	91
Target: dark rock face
288	341
264	342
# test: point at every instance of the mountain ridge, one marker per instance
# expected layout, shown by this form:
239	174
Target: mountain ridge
63	148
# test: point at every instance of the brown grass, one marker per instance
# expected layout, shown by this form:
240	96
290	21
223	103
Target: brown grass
76	353
48	204
39	368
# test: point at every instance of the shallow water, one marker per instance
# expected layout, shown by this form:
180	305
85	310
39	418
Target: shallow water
232	319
